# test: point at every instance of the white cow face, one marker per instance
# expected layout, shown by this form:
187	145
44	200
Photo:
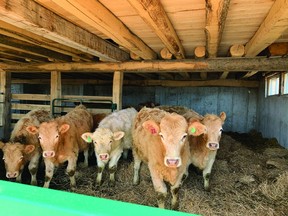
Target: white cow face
104	140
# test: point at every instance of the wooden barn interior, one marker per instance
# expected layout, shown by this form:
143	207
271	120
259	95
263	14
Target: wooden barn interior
210	56
207	55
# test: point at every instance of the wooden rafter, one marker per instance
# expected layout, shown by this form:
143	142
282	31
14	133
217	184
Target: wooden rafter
153	13
188	65
216	13
20	34
96	17
274	25
28	15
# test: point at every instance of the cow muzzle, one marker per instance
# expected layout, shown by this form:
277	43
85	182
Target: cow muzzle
172	162
104	157
213	146
12	174
48	154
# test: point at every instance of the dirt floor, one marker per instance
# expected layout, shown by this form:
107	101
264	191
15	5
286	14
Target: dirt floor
249	177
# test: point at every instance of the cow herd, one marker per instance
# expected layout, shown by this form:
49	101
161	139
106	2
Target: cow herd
167	138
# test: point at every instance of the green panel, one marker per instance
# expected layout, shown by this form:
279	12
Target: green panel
21	199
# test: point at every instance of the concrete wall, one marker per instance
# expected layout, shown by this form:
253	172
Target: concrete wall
272	118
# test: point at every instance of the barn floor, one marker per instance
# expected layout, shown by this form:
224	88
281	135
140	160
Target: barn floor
250	177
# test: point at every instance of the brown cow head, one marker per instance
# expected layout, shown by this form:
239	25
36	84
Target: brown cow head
14	157
173	134
49	134
213	124
104	142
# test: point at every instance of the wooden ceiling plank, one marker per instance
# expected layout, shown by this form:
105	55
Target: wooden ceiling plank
216	13
273	26
29	15
32	49
153	13
187	65
20	34
103	20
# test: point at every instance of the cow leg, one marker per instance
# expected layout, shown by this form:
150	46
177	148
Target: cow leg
71	169
207	172
49	172
33	168
101	167
112	168
137	165
159	187
86	155
18	178
175	193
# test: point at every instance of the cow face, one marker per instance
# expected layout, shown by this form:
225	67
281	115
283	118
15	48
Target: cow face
14	157
49	134
172	131
104	140
214	129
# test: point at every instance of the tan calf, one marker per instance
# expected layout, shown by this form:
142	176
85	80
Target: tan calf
160	140
23	147
61	141
204	147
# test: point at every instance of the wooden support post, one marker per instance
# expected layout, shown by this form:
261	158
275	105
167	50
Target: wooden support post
117	88
56	89
5	103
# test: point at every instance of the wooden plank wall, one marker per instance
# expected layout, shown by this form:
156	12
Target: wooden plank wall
240	104
272	119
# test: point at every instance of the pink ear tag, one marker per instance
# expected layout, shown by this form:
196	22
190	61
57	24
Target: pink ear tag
193	130
153	131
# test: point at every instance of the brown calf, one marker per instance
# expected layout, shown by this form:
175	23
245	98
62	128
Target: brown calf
61	141
160	140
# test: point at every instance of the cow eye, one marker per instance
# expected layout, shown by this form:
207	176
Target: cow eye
3	159
184	137
161	135
39	137
221	130
57	136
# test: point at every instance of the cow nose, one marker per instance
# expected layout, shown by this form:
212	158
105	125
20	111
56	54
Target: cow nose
48	154
104	156
12	174
213	146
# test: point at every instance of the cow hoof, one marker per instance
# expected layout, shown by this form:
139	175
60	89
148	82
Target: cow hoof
175	206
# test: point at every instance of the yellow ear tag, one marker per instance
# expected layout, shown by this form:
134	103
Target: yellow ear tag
193	130
89	139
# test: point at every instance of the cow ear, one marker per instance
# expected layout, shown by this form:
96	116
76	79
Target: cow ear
151	126
64	128
196	128
1	145
29	148
118	135
87	137
32	129
222	116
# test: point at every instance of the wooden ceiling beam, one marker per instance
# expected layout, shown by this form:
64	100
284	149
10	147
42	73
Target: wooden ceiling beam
273	26
20	34
96	17
25	47
216	13
187	65
28	15
278	49
153	13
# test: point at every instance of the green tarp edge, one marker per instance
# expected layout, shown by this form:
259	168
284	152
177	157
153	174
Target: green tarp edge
21	199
